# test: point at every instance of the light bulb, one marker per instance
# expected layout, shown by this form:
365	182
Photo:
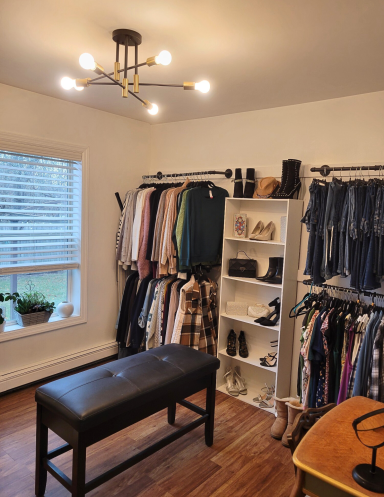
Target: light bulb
67	83
203	86
164	58
87	61
154	110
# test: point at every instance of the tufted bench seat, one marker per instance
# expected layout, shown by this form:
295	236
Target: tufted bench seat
87	407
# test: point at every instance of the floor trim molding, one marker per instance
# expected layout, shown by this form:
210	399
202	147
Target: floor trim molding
13	379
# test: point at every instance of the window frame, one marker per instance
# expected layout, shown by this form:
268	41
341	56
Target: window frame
39	146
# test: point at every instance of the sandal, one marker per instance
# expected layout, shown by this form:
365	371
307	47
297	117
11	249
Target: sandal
267	404
232	388
240	382
269	391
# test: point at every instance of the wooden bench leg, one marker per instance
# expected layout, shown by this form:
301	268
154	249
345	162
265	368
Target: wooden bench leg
78	468
210	408
41	453
172	414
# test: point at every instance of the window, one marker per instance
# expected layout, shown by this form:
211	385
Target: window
40	227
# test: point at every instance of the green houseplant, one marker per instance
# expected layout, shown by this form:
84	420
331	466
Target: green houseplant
5	297
33	308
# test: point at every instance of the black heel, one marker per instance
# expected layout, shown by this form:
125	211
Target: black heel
268	321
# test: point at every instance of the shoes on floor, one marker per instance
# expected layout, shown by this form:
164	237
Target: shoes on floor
257	230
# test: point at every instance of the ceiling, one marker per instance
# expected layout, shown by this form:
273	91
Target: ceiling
256	54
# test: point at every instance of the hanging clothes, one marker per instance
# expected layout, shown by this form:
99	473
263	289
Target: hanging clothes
341	354
345	222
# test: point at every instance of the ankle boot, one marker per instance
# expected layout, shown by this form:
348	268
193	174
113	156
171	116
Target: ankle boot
277	278
280	425
294	409
249	188
272	268
238	189
290	180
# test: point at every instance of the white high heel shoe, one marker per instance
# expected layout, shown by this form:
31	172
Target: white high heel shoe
232	387
266	234
257	230
240	382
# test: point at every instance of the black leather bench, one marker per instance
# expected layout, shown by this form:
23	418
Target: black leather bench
87	407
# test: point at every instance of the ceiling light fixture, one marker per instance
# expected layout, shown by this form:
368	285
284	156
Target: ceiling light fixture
127	38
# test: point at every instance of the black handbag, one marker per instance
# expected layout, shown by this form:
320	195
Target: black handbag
242	268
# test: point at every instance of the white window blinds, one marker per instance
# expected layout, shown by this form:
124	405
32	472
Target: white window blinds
40	213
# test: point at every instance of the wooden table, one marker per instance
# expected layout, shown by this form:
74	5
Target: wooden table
330	450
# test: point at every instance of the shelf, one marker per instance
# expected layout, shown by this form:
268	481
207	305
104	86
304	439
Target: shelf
252	281
270	242
249	320
228	199
249	360
247	398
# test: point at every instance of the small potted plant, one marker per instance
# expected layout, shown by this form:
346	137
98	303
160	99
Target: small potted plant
5	297
33	308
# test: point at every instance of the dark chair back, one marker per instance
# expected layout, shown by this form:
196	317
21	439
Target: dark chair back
304	422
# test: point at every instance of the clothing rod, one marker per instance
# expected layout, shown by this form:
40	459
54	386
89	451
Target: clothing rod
227	173
366	293
325	170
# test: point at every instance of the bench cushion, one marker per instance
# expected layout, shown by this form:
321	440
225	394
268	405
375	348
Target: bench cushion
99	394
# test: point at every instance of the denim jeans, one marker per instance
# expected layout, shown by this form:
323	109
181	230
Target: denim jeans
343	234
357	236
319	240
325	272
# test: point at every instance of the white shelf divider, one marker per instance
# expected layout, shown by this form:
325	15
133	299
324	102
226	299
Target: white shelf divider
253	291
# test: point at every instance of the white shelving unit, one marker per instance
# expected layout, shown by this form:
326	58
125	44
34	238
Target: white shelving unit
251	290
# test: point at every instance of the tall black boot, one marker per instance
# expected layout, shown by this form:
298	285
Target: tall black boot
278	277
273	261
249	188
290	180
238	190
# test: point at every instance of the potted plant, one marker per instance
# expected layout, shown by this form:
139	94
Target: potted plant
33	308
5	297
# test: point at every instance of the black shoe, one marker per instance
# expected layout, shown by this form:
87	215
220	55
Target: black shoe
290	180
238	190
274	317
271	269
231	343
243	349
249	188
277	278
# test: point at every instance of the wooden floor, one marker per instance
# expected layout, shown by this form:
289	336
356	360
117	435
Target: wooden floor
243	461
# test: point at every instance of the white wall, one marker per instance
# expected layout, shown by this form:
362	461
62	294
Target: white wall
341	131
119	154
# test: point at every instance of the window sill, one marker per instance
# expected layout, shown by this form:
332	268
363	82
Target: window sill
13	332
